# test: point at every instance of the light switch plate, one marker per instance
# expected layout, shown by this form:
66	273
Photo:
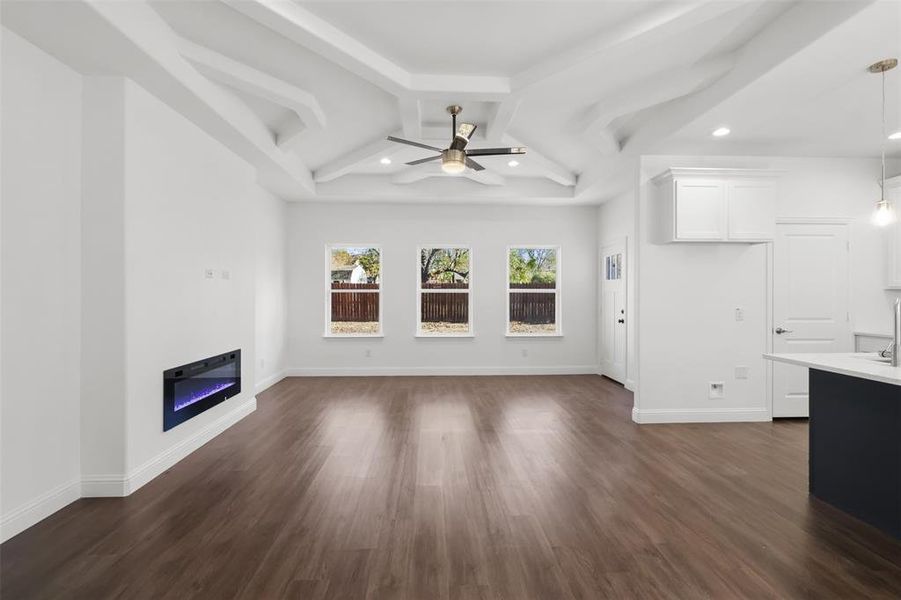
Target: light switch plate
742	372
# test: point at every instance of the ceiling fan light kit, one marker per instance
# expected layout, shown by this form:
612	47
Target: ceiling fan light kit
456	158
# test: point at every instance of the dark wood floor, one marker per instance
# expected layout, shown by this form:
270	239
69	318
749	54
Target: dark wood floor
484	487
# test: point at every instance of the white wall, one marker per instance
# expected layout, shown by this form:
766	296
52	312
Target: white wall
271	303
400	229
688	292
41	188
103	385
616	222
189	207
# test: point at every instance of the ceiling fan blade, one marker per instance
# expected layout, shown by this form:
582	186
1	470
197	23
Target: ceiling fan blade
474	165
409	143
463	135
495	151
423	160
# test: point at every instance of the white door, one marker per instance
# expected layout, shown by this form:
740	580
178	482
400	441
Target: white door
613	311
810	304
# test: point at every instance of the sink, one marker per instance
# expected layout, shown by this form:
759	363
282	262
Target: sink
877	358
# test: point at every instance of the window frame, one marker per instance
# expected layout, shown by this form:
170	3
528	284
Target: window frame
328	292
558	291
418	331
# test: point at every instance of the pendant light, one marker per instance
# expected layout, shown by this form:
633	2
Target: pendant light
884	215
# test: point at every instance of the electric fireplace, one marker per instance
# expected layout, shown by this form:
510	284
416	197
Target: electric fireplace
191	389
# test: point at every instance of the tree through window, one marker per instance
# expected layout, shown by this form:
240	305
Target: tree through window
533	291
444	301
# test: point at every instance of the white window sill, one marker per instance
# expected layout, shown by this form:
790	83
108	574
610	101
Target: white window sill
444	335
351	336
534	335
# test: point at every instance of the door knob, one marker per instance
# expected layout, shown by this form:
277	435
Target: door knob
780	331
620	320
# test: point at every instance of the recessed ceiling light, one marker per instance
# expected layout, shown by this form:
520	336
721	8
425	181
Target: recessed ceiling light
513	163
385	160
721	131
895	136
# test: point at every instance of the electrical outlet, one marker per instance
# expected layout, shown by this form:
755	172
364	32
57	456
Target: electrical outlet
525	352
226	274
717	390
208	273
739	314
367	353
742	372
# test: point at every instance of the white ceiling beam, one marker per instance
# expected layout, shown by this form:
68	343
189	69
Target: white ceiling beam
654	90
797	28
152	59
257	83
661	23
367	153
303	27
485	177
502	114
298	24
416	173
552	170
607	178
518	190
410	117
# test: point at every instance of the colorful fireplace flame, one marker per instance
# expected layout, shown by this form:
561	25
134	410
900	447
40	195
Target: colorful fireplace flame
199	394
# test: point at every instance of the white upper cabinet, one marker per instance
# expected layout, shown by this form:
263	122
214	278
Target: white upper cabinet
700	210
893	236
717	205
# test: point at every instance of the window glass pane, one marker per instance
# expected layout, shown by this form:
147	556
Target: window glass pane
355	280
444	312
533	268
533	312
355	266
444	268
354	312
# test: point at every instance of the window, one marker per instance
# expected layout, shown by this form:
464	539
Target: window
443	298
353	303
533	291
614	267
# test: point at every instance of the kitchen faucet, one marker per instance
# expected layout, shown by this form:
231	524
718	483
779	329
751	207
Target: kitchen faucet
896	341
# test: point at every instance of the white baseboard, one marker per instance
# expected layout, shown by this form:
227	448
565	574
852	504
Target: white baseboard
268	382
699	415
100	486
437	371
20	519
630	385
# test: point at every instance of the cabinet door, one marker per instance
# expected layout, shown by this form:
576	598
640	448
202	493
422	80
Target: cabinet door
751	209
700	210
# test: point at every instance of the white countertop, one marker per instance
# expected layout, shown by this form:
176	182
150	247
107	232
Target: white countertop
858	364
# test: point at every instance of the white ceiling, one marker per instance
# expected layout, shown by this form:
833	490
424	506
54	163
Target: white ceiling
485	38
308	91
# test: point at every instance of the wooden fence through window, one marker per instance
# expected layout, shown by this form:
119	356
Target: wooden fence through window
533	307
361	303
444	307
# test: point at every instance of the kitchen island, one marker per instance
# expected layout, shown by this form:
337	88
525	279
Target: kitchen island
855	434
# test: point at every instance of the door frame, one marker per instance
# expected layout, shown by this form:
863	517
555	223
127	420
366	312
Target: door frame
771	287
602	247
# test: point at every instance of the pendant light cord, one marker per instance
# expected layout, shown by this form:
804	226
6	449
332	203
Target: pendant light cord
882	144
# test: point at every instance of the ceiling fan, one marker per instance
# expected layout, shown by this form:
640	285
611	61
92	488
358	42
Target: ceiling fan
455	158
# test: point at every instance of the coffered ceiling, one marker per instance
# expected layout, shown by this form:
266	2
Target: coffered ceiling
307	91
